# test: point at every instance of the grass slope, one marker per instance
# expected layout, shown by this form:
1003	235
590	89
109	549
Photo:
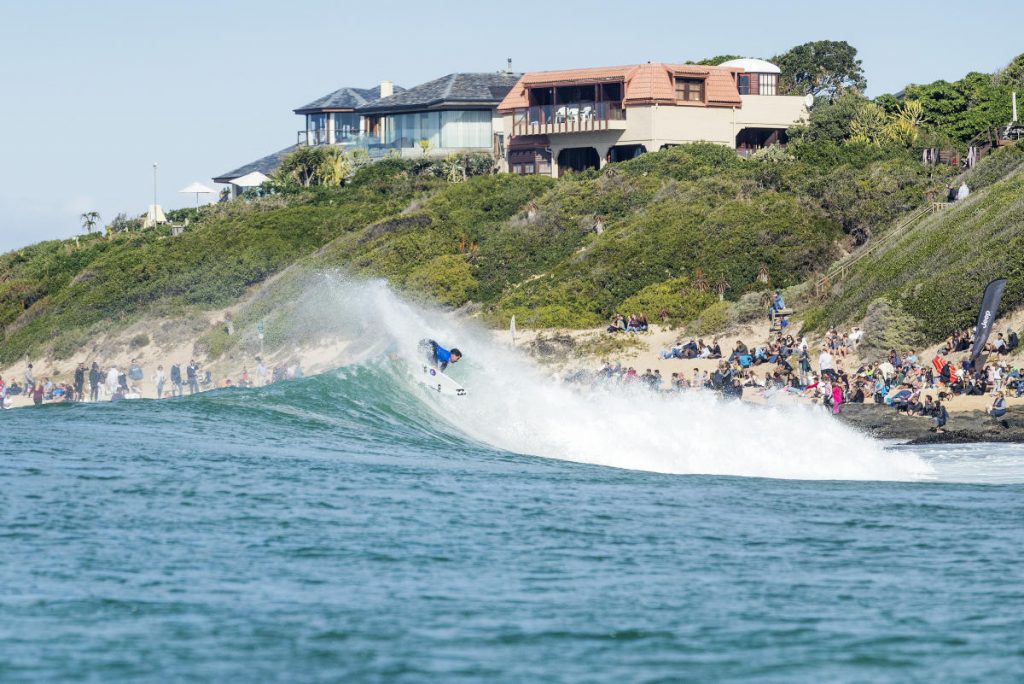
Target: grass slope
936	272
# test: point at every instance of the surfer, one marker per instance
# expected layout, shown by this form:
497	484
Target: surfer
438	355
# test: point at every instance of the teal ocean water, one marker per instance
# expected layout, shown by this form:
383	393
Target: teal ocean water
355	527
335	529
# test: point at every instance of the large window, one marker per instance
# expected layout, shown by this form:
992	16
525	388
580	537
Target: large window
690	89
346	125
466	128
407	130
743	83
767	84
449	129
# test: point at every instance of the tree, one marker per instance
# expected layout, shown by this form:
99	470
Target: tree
1013	75
822	68
335	168
301	166
89	220
716	60
964	108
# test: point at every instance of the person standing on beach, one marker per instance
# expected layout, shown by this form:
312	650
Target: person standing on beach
261	372
176	388
135	373
159	379
37	395
95	379
193	376
79	382
112	382
30	380
825	368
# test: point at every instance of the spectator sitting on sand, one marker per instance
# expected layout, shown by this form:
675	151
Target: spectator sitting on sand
739	350
998	407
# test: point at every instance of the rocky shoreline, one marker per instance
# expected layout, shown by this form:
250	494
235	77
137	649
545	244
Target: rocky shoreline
883	422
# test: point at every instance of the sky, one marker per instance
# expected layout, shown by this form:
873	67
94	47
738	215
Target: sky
94	92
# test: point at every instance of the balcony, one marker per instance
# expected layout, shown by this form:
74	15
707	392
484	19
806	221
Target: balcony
569	117
347	139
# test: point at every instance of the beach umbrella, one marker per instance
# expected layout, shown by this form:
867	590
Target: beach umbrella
251	180
198	189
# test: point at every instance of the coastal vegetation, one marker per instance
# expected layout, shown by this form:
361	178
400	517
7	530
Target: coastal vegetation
693	235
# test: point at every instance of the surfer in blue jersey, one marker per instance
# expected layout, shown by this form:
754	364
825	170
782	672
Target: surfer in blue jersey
438	355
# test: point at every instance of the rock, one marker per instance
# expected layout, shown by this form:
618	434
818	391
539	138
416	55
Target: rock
883	422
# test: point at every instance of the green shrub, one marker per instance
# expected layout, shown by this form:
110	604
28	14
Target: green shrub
714	319
672	299
140	340
446	279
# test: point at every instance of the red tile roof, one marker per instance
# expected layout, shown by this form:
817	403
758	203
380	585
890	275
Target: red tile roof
644	83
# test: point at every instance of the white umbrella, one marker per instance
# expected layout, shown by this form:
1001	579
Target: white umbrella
251	180
198	189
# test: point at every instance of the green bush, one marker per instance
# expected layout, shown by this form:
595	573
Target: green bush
714	319
446	279
673	298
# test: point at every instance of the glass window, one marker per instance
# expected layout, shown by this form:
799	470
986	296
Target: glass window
743	83
407	130
316	122
690	89
466	128
346	125
767	84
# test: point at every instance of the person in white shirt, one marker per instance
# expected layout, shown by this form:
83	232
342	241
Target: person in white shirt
159	379
112	382
825	363
261	372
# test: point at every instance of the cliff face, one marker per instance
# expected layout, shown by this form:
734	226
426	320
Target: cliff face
934	273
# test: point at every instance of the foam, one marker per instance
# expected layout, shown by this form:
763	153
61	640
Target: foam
514	406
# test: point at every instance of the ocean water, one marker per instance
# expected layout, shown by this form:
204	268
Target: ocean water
356	527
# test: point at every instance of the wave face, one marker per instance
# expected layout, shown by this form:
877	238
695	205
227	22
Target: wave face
513	406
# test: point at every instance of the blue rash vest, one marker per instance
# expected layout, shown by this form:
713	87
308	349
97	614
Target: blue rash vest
442	355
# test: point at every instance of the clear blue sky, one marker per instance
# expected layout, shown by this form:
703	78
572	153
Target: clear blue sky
92	92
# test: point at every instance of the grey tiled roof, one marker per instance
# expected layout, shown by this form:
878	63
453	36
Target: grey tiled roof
344	98
265	165
484	89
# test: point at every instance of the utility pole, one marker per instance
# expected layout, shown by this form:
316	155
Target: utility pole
154	191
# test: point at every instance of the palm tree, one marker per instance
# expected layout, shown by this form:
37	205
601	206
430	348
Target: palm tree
721	286
700	281
89	220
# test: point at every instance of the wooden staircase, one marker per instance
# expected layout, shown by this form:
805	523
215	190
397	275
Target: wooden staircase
842	268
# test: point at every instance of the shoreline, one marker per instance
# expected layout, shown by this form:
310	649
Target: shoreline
565	351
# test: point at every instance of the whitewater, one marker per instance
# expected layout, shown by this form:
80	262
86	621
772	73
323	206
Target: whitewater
516	406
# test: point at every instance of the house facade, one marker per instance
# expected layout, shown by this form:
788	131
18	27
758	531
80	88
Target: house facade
454	113
584	118
334	119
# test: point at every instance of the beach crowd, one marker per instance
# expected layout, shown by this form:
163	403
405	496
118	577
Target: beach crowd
787	364
114	383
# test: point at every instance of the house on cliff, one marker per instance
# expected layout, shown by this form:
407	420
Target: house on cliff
578	119
454	113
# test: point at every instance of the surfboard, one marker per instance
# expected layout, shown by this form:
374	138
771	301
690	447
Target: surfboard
438	382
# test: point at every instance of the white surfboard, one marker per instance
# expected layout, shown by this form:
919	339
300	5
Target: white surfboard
438	382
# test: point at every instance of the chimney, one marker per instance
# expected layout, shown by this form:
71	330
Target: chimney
387	88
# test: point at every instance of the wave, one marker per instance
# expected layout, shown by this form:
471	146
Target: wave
514	406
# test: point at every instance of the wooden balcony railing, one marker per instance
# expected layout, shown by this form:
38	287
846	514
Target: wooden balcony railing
567	117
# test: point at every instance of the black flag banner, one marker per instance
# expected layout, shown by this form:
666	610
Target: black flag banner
987	315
